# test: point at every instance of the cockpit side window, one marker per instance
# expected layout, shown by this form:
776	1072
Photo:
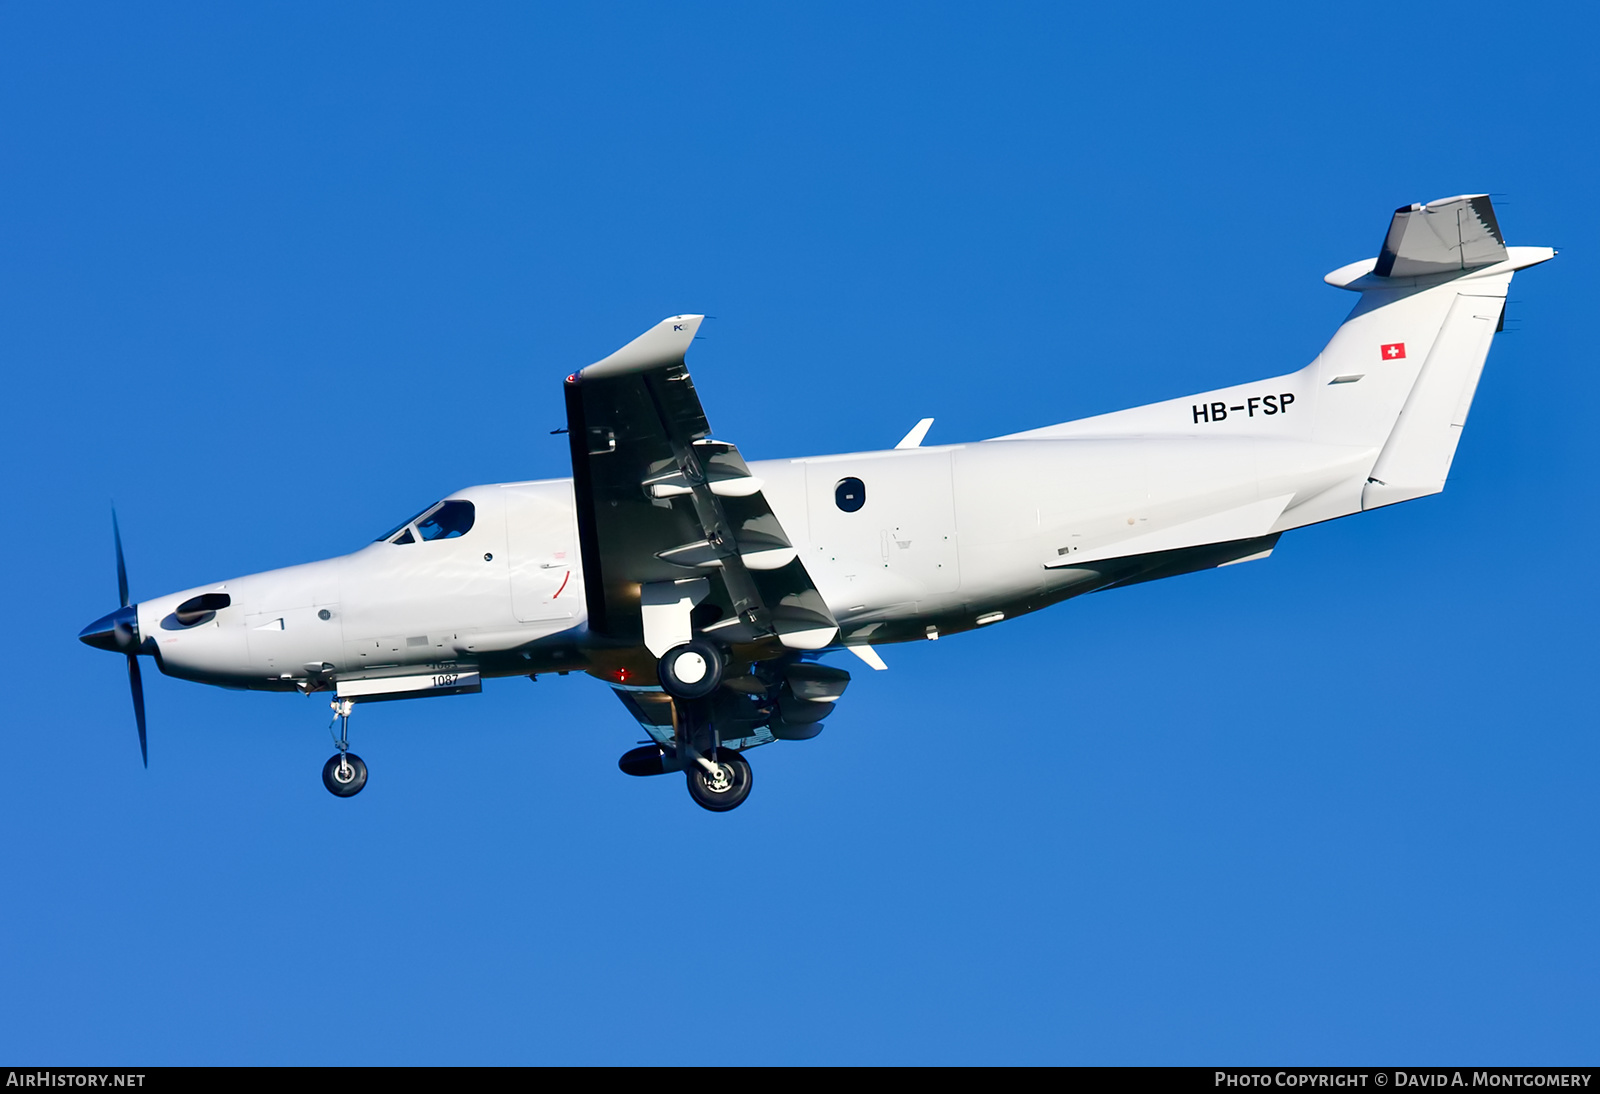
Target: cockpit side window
405	537
449	520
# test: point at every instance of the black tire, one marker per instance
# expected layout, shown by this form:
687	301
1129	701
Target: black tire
691	671
347	787
708	796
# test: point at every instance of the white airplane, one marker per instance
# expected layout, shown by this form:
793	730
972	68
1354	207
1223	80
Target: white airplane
703	589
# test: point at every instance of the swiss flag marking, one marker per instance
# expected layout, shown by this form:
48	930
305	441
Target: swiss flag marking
1394	351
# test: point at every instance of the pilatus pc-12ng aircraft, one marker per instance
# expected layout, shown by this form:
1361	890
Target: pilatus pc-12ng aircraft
704	589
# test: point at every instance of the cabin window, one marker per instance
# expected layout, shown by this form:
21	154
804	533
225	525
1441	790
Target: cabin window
449	520
850	494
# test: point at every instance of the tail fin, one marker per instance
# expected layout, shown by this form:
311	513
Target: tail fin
1398	376
1403	368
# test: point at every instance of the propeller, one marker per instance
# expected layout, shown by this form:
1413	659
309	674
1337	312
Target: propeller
136	685
135	680
119	632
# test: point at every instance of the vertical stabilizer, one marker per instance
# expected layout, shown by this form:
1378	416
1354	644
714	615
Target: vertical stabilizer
1422	445
1394	383
1445	236
1403	368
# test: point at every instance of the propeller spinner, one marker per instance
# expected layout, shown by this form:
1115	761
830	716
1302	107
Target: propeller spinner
118	632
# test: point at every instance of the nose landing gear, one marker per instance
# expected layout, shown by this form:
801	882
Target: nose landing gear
344	774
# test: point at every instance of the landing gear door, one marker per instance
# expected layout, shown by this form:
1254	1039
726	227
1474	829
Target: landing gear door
541	542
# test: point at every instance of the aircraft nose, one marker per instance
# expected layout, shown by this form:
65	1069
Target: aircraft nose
116	631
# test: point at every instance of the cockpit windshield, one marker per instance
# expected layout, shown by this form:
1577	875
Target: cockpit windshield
442	520
451	519
403	524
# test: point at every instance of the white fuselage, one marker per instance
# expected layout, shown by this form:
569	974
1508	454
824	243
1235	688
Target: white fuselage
949	537
702	618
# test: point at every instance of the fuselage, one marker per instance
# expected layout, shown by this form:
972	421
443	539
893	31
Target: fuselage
941	539
713	583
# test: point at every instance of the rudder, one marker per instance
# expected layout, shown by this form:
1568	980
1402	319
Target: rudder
1417	456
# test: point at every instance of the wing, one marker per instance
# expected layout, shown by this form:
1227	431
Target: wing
675	534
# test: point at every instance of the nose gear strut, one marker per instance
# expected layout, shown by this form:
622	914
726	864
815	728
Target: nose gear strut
344	774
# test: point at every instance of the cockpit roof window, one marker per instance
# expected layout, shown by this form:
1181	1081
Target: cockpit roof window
449	520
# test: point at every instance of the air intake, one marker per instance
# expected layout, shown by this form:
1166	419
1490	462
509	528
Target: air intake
200	609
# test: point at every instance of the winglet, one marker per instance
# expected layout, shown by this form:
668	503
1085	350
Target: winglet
914	438
661	345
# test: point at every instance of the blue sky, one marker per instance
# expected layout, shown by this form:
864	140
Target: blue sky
273	278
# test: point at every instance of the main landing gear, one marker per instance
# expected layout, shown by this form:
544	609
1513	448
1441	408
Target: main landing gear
692	670
344	774
719	778
719	784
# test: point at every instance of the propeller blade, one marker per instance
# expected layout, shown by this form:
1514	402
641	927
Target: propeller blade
136	685
122	576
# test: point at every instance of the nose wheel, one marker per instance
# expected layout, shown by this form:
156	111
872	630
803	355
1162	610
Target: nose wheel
344	774
719	784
